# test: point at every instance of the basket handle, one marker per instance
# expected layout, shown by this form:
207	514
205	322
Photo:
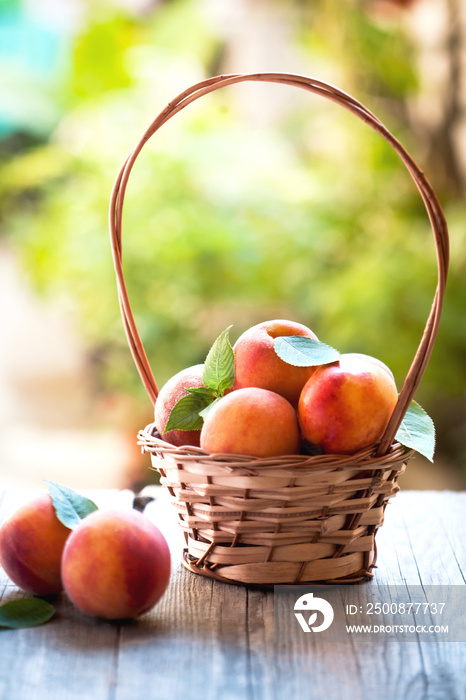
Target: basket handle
432	205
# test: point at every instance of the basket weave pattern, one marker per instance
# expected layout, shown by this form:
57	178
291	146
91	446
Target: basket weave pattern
278	520
296	518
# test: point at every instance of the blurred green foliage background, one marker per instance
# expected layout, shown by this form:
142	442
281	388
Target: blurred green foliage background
257	202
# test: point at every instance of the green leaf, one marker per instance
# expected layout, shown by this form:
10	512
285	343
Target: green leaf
205	411
201	391
25	612
219	366
70	506
304	352
185	413
417	431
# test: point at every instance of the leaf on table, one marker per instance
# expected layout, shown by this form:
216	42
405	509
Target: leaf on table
70	506
301	351
417	431
25	612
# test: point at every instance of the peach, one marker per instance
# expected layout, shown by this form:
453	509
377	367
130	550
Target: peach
345	406
116	564
31	546
169	395
251	421
257	364
369	358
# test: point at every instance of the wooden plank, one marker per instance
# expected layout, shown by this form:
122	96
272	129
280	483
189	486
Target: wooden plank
192	644
428	522
396	564
68	658
435	525
353	669
236	656
374	669
201	638
451	517
415	550
213	640
404	675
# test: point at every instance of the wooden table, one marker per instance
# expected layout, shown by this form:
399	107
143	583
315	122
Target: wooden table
214	641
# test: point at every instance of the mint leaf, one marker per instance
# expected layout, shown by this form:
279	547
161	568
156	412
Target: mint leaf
417	431
205	411
201	391
25	612
219	366
185	413
70	506
218	376
301	351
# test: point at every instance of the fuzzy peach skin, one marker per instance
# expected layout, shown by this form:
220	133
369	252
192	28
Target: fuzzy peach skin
31	546
345	407
251	421
169	395
369	358
115	565
257	364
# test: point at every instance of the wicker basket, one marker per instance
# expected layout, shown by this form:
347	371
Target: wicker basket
293	519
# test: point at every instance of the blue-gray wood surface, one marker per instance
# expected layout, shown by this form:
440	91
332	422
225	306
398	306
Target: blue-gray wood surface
212	640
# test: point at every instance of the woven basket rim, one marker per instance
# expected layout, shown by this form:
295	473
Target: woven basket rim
365	459
334	94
